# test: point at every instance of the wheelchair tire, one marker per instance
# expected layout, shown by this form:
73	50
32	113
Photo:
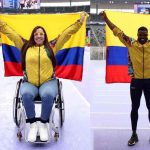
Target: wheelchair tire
15	112
16	102
61	105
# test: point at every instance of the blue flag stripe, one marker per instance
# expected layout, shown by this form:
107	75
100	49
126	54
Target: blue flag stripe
117	55
63	57
70	56
11	53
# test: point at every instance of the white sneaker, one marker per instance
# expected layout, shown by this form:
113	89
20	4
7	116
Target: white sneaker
32	134
43	131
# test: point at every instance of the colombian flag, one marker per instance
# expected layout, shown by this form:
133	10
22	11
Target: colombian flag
117	53
69	58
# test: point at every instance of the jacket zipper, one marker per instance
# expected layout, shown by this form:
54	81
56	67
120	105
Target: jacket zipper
143	62
39	68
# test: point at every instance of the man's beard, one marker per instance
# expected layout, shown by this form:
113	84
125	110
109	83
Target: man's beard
142	40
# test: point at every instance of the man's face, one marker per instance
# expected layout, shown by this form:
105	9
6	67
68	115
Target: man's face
142	36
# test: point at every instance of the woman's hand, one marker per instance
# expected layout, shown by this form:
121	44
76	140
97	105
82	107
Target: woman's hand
82	16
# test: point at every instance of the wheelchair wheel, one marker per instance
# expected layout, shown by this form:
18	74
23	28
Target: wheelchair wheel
21	124
61	105
16	104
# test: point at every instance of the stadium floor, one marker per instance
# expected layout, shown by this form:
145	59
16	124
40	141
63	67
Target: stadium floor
109	120
110	110
75	134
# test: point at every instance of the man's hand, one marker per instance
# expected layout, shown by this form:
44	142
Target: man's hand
103	15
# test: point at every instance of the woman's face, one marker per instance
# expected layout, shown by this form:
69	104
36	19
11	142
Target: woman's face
39	36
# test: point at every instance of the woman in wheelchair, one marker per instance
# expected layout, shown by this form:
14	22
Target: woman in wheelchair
38	64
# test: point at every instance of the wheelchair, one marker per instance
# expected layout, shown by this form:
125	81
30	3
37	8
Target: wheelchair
56	118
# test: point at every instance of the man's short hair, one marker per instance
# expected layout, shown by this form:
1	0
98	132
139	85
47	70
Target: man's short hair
142	29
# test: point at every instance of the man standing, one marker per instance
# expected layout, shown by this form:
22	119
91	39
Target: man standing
139	53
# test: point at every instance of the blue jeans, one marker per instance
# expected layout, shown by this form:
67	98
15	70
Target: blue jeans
47	91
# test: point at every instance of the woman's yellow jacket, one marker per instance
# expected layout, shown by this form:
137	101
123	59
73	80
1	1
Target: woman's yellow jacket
39	68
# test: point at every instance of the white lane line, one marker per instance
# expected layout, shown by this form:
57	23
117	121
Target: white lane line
110	103
112	113
117	128
82	97
107	95
109	90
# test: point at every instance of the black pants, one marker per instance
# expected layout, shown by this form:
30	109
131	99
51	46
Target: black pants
136	88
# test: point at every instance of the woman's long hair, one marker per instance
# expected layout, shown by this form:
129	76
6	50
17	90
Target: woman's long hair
31	43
